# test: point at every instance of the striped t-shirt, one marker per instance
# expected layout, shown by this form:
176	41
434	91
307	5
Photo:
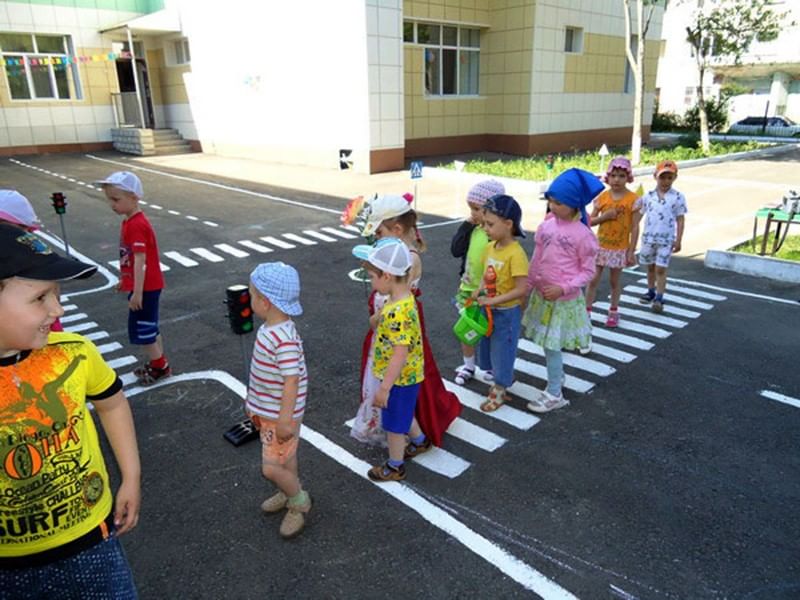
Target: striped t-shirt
277	354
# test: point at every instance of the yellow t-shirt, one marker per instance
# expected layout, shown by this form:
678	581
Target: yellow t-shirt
399	326
53	482
616	233
508	262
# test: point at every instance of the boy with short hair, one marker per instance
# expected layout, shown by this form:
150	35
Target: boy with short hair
278	387
663	209
397	355
140	273
59	514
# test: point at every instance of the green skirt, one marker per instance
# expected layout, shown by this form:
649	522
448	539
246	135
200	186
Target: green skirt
557	324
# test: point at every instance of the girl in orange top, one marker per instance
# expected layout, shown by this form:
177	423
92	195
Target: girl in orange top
617	212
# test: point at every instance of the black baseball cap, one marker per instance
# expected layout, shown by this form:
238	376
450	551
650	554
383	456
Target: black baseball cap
25	255
506	207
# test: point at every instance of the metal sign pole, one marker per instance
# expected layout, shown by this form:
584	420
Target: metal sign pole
64	234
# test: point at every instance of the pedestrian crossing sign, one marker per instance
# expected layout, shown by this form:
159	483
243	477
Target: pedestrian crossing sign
416	169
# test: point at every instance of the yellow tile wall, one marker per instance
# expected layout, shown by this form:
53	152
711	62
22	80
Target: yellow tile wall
166	82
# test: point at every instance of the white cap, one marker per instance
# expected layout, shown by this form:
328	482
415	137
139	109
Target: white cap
381	208
15	208
124	180
390	255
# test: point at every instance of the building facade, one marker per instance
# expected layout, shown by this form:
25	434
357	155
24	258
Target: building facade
302	81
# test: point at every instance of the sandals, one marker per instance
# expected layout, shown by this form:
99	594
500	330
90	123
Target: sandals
386	472
494	400
413	450
148	374
464	374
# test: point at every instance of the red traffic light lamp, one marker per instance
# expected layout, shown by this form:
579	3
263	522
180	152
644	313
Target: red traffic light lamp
59	202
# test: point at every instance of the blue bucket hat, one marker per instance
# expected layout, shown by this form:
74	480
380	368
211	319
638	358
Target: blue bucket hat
280	284
506	207
575	188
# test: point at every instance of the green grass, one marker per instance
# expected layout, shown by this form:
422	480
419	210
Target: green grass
790	250
535	167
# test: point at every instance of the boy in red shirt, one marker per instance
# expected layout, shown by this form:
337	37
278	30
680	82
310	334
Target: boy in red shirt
140	272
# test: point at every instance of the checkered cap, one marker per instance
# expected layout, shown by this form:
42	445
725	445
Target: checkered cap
124	180
15	208
280	284
479	193
390	255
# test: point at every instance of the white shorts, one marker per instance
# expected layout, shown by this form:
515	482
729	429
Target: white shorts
655	253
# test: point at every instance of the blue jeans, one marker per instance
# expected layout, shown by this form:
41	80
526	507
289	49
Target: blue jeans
555	371
100	572
498	352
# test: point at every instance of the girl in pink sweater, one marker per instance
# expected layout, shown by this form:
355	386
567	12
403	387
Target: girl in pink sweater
563	262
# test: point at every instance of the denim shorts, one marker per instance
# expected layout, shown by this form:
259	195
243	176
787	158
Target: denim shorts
399	411
143	324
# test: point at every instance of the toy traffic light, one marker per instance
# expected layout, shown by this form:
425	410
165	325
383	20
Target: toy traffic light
59	202
240	314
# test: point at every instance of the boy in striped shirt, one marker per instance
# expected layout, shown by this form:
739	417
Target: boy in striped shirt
276	394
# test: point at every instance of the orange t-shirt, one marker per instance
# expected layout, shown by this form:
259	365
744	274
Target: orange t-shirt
616	233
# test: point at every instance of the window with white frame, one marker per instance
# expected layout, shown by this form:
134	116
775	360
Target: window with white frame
37	66
451	57
573	40
181	49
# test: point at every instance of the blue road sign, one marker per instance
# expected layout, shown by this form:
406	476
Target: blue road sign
416	169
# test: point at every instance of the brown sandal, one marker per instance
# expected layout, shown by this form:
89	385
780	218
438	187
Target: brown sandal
494	400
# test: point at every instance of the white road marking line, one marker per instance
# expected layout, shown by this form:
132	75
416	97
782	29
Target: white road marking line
156	206
319	236
629	326
610	352
540	371
297	238
733	291
475	435
645	315
781	398
142	202
96	335
182	260
75	317
110	347
254	246
338	232
669	309
279	243
70	179
114	263
164	267
231	250
351	228
507	414
173	212
128	378
209	256
572	360
122	361
68	307
192	218
442	462
86	326
672	298
211	223
685	290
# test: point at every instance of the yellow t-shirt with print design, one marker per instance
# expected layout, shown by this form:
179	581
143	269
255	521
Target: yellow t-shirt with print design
508	262
399	325
54	486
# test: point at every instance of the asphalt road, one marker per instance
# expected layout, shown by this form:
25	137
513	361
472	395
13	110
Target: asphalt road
670	475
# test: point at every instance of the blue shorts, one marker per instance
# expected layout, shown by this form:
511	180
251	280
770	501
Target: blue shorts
399	412
143	324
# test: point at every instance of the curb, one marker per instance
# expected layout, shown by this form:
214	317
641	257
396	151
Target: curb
778	269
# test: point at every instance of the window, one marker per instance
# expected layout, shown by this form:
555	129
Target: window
451	57
37	66
573	40
182	56
630	85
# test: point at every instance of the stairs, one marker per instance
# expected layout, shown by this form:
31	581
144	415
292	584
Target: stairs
169	141
149	142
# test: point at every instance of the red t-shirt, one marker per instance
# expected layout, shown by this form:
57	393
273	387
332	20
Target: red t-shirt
137	236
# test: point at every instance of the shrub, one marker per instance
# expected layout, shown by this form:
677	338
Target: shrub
717	112
667	121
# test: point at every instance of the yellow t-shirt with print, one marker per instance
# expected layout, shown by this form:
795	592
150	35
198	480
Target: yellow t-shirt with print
54	486
508	262
399	326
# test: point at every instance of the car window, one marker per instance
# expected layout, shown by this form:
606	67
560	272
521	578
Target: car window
777	122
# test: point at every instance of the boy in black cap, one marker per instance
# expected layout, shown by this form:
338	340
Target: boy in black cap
60	521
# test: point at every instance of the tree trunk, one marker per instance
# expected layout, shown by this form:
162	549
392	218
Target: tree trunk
705	141
638	107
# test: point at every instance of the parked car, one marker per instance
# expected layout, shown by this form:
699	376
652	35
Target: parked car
772	126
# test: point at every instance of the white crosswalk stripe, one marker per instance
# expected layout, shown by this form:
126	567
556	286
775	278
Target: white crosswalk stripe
631	326
181	259
122	361
572	360
319	236
475	435
691	291
96	335
620	338
209	256
228	249
75	317
86	326
571	382
507	414
69	307
668	308
299	239
671	298
254	246
279	243
128	378
110	347
338	232
645	315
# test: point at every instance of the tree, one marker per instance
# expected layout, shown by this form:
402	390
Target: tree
636	44
725	29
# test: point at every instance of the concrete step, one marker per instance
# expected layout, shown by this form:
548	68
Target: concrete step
183	150
176	146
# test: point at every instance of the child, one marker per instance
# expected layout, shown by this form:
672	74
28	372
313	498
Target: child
468	244
393	216
61	522
140	273
616	210
563	262
276	394
16	210
664	209
506	263
398	361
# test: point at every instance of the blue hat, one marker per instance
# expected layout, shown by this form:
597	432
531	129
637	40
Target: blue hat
575	188
280	284
506	207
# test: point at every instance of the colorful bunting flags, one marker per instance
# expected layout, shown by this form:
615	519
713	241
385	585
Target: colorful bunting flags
62	61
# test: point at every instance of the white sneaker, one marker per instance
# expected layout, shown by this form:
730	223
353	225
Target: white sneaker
547	402
585	349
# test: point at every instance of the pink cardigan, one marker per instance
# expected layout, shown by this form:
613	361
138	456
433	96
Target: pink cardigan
565	256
